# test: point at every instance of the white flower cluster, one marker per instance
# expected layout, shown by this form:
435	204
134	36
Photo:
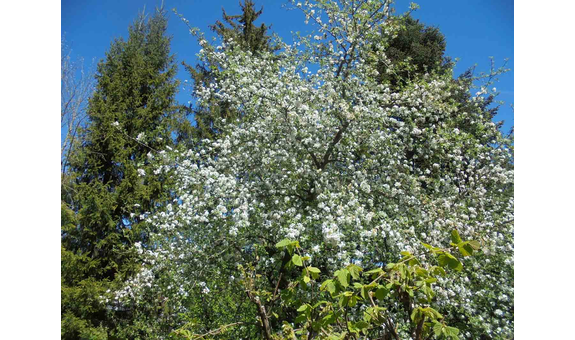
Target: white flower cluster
353	170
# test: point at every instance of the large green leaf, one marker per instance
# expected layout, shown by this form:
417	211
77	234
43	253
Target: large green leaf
354	270
474	244
296	259
455	238
437	328
374	271
303	307
447	260
465	249
381	293
314	270
283	243
343	277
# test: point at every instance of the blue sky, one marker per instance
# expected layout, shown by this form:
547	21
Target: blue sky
474	30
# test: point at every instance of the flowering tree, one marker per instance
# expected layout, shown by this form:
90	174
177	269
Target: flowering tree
249	37
326	155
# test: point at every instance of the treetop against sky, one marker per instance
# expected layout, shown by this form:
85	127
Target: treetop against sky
474	31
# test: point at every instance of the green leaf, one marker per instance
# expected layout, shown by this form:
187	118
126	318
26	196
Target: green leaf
455	264
438	271
447	260
428	292
374	271
432	313
465	249
416	314
442	259
413	262
402	269
354	271
283	243
366	316
428	246
455	238
303	308
300	318
343	277
381	293
343	301
306	279
451	332
296	259
329	286
421	272
352	301
475	244
316	325
437	328
314	270
329	319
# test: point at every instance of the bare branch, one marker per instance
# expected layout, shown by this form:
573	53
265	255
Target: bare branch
77	85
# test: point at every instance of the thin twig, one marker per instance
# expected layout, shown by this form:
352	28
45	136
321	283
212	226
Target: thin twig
216	331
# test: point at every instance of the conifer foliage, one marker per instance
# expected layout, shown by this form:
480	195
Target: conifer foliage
131	113
249	37
416	49
242	28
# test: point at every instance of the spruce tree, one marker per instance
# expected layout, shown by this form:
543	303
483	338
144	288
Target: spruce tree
415	53
242	29
415	50
132	114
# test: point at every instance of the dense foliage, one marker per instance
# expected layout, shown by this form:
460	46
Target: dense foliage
242	29
415	50
131	113
345	186
357	170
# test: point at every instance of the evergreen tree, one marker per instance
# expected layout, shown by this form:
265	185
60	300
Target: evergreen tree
414	54
249	37
417	49
131	113
243	30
